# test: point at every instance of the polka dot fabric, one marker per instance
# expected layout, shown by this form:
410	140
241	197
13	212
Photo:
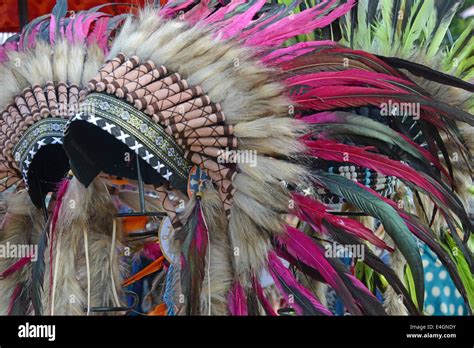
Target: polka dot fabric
441	296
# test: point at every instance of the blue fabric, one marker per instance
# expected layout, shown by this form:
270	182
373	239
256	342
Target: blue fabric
441	296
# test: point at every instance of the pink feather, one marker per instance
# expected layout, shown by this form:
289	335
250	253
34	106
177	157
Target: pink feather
198	12
237	301
52	29
333	151
170	11
300	23
352	77
267	20
241	21
288	53
69	31
5	48
99	34
317	212
359	285
282	274
32	36
18	265
62	189
301	247
261	297
220	14
152	250
330	117
83	23
77	28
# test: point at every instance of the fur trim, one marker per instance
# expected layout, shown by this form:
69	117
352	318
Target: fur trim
66	62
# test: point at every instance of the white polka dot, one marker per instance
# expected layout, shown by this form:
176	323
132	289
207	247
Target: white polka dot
438	263
430	309
452	309
444	308
447	291
460	310
457	293
435	291
425	263
442	275
429	276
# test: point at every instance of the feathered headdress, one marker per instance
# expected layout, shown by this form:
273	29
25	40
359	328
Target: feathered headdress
203	103
194	90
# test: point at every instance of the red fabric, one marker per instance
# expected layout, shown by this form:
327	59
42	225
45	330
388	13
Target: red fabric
9	21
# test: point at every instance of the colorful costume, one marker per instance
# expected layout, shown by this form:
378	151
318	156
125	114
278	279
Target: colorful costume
201	121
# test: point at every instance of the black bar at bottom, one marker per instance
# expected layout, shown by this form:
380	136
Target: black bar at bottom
290	330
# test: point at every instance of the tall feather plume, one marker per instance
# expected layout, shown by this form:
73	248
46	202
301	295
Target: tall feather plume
193	255
219	273
237	301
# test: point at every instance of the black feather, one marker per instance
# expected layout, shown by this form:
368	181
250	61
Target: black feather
395	10
38	271
428	73
301	300
378	266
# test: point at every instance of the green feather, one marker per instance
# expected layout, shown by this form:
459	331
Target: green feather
434	45
392	222
462	266
413	32
411	284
